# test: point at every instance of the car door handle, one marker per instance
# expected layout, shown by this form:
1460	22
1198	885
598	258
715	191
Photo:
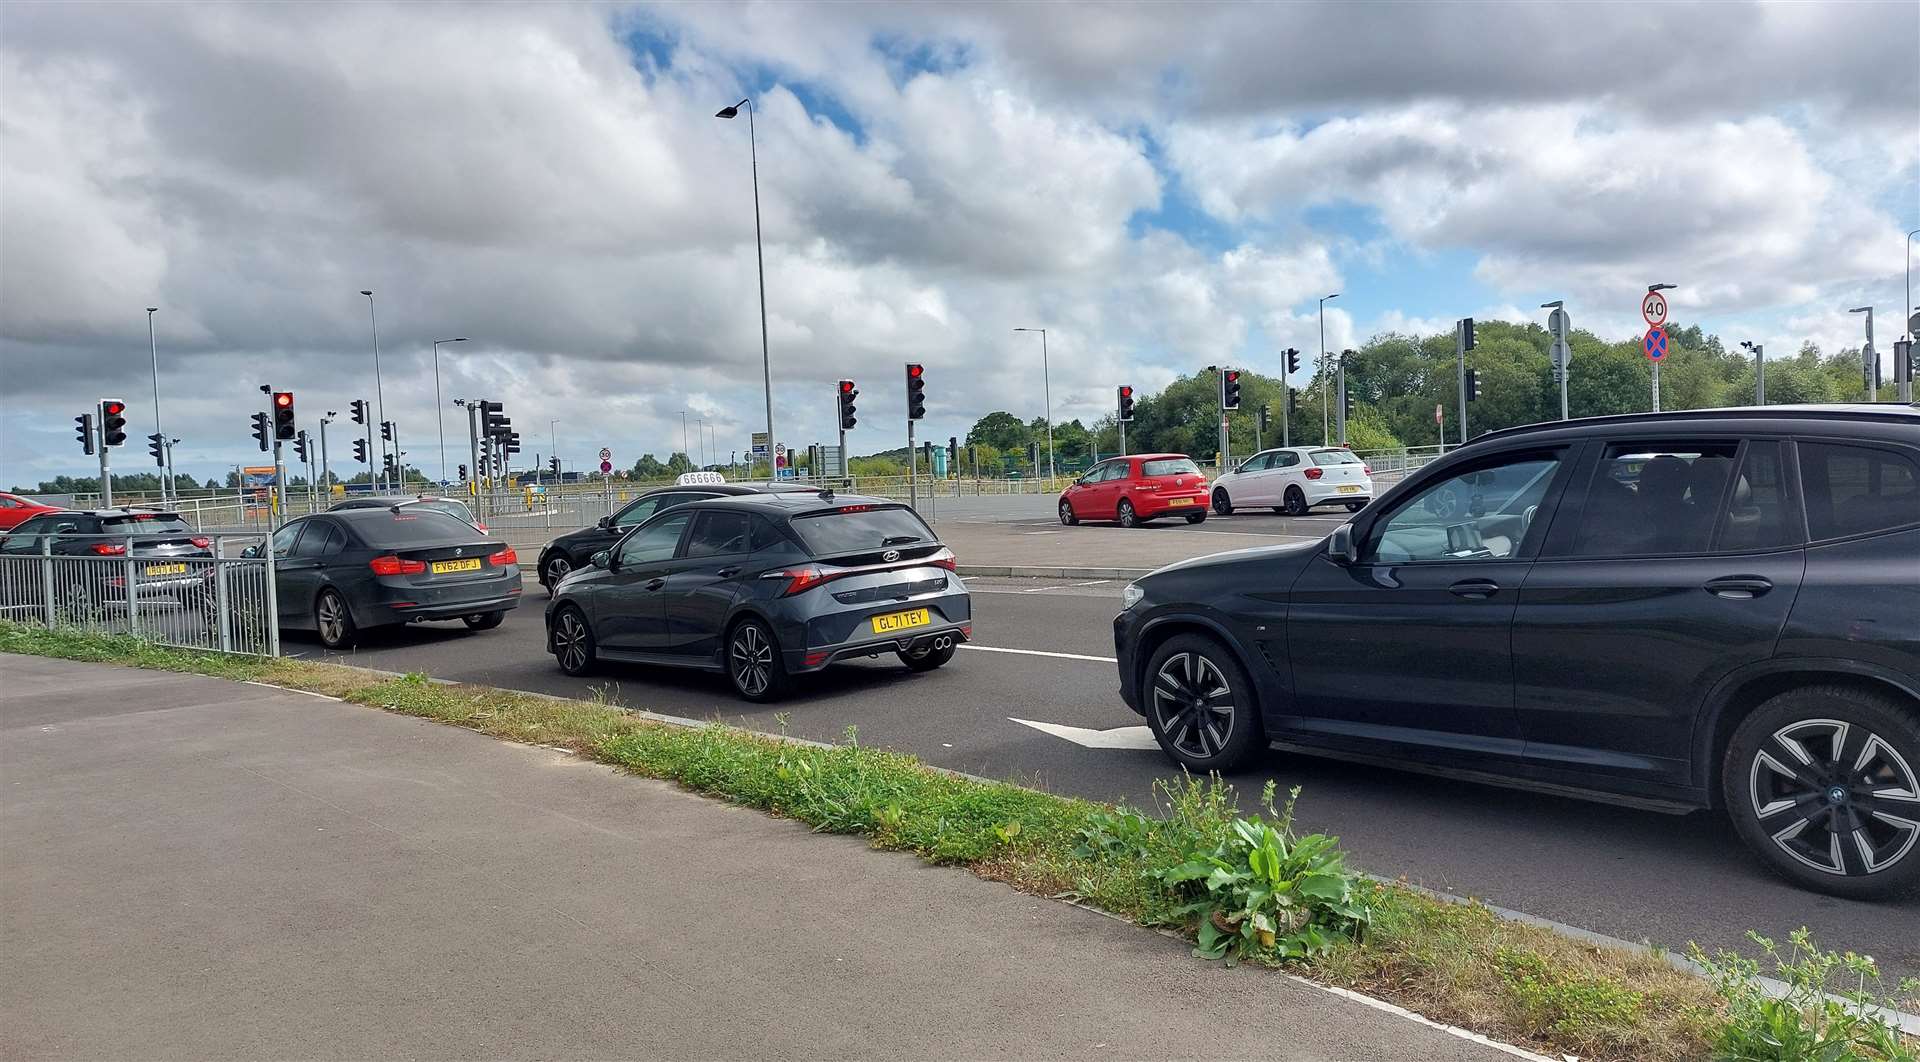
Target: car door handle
655	584
1474	588
727	573
1738	587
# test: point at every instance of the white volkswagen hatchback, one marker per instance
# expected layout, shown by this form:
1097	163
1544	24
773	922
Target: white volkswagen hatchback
1294	479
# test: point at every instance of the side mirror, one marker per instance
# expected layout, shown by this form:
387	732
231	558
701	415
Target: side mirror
250	552
604	522
1340	546
603	559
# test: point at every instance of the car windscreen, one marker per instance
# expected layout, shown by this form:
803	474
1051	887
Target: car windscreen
457	510
859	529
144	524
1334	457
1169	466
412	526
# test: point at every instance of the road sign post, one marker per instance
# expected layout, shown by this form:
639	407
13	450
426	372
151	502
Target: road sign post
1655	344
1560	325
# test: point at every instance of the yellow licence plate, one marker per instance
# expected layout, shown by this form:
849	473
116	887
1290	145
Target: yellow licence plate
166	569
471	564
1349	489
900	621
1175	503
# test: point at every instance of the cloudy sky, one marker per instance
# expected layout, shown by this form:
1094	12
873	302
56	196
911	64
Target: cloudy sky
1162	186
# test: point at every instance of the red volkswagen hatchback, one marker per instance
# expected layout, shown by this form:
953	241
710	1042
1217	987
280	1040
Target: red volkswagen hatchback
1132	490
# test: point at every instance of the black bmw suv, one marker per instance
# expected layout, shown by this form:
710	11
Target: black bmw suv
576	548
1717	608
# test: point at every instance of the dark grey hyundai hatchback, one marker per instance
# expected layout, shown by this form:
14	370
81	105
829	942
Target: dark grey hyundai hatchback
1717	608
763	587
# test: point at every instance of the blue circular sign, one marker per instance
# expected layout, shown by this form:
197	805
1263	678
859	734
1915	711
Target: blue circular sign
1655	343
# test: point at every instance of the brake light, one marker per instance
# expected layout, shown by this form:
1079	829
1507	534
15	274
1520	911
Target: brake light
504	557
855	509
1366	470
945	559
392	565
800	580
1315	473
200	541
477	524
108	549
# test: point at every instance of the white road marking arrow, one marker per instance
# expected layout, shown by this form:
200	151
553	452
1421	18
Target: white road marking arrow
1120	737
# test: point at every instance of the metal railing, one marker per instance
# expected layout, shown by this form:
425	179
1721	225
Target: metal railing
103	583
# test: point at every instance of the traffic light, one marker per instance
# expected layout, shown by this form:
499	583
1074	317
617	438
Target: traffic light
512	440
1263	418
283	415
847	394
113	422
262	431
300	447
1466	333
1473	385
916	392
157	446
463	473
1126	403
359	407
83	425
1230	389
1293	403
1293	361
553	465
386	430
359	450
953	454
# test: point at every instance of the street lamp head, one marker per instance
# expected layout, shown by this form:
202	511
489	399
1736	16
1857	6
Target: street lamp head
1554	305
1861	309
367	293
1324	298
1651	288
731	112
153	309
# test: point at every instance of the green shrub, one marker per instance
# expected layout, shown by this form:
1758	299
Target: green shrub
1816	1020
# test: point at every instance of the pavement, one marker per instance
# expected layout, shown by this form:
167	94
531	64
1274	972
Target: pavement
207	869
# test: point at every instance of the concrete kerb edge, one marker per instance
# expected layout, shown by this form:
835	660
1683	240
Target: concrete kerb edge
1908	1023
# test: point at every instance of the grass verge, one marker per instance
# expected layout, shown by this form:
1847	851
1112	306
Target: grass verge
1454	963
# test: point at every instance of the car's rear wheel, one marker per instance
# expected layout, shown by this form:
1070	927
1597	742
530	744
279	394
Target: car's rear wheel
1125	515
1200	704
483	621
1354	507
926	657
1824	784
334	621
1296	502
1196	518
1222	503
555	569
754	664
1066	513
570	639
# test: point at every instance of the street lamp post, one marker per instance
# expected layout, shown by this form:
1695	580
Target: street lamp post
760	262
326	475
1046	386
1759	370
1326	433
687	448
1651	288
438	408
379	396
166	485
1910	307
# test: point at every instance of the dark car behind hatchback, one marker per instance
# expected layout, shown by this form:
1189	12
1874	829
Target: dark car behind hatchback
168	557
1708	609
764	587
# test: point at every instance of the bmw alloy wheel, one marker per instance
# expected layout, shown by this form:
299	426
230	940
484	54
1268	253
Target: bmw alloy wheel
1835	796
556	570
570	641
1193	702
330	617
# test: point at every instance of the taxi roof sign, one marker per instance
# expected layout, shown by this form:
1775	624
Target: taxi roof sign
699	479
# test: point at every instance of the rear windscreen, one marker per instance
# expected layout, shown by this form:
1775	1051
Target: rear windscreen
1174	466
861	530
414	525
144	525
455	509
1334	457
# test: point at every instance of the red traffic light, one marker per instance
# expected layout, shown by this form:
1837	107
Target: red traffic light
914	371
846	387
283	399
1125	391
1233	375
113	409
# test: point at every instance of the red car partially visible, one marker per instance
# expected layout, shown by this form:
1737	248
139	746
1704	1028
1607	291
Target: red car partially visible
1132	490
14	509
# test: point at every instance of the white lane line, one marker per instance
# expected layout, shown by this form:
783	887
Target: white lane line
1119	737
1036	652
1096	582
1040	589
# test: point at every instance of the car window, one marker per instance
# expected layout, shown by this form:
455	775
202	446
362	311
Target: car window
145	524
1257	463
9	502
1117	470
1650	498
284	538
654	542
1098	473
411	526
768	539
457	510
26	537
319	541
1169	466
717	534
1328	458
637	513
861	528
1287	459
1480	514
1855	490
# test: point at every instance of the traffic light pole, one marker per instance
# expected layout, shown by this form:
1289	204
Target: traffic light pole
473	450
1225	459
913	470
1286	413
1460	359
326	475
399	466
106	471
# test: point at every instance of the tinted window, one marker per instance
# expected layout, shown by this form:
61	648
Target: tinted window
1483	514
1287	459
1655	497
411	526
718	534
320	540
860	530
1334	457
1098	473
1852	490
638	512
457	510
767	537
284	538
1169	466
1258	463
26	537
1756	509
143	524
654	542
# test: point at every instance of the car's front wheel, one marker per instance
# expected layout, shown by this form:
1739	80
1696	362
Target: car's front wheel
1200	704
1066	513
1824	784
571	641
334	620
754	664
555	569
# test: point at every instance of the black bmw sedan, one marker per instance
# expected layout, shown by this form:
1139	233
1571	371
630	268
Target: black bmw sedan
764	587
340	573
1717	608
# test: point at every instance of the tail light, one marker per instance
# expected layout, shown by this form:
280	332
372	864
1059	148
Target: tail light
1316	473
504	557
480	526
392	565
108	549
201	541
1366	470
945	559
799	580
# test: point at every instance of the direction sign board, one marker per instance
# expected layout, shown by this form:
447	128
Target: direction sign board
760	443
606	454
1439	413
1654	308
1655	343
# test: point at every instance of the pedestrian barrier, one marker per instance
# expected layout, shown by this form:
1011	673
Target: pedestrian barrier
115	584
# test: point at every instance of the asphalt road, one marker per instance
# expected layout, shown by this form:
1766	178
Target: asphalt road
1637	875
